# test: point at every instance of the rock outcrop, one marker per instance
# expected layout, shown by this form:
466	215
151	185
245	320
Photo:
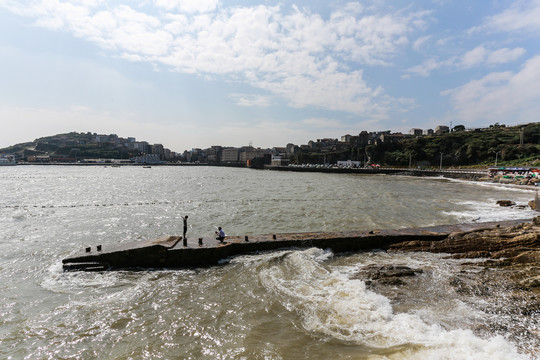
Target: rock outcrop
385	274
506	203
515	248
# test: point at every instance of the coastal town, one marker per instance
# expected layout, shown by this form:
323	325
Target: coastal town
420	148
156	153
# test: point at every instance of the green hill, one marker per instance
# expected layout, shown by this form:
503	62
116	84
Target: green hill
459	148
481	147
73	146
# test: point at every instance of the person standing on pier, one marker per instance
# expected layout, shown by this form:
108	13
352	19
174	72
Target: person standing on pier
185	225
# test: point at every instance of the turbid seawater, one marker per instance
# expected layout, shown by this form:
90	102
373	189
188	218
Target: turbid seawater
288	304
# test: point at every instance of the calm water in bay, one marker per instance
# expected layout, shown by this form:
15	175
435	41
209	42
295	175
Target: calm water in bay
290	304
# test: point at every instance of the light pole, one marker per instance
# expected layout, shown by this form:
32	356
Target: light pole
496	157
410	160
440	165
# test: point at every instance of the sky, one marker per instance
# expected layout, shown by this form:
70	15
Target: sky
196	73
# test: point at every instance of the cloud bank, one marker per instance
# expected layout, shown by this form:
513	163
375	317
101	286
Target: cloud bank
500	96
286	51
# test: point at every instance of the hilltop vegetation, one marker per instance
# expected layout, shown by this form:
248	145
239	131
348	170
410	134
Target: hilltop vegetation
71	145
459	148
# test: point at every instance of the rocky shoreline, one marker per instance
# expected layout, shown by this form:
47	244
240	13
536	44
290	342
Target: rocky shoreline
497	271
503	272
515	248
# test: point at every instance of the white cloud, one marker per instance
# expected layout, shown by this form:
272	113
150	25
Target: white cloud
476	57
505	55
426	67
500	96
420	41
189	6
250	100
290	52
521	17
480	55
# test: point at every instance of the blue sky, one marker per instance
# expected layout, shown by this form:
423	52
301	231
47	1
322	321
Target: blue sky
208	72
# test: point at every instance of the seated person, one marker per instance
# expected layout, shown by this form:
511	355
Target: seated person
220	234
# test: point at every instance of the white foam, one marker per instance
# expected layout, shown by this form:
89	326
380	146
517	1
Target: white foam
484	211
56	280
497	186
333	305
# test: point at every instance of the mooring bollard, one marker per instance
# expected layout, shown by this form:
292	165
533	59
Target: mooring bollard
88	249
246	238
200	241
274	236
185	242
99	248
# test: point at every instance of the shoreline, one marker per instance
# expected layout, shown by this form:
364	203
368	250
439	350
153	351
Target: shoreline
450	173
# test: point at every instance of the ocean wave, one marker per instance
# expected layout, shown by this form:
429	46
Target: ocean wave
333	305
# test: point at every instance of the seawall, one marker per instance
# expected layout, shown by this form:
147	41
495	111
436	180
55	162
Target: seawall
450	173
174	252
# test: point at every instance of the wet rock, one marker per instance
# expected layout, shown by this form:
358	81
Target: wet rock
392	281
506	203
533	282
514	250
527	257
495	243
470	287
385	274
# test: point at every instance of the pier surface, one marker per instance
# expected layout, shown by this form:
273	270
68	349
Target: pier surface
170	252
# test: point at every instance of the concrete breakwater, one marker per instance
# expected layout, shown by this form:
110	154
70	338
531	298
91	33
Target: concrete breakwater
450	173
175	252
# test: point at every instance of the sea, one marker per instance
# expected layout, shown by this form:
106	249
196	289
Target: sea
287	304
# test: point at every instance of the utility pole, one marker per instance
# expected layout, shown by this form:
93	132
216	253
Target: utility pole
440	165
496	157
410	160
521	136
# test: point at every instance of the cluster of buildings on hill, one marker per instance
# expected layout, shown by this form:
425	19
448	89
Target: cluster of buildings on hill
145	153
280	155
46	149
142	147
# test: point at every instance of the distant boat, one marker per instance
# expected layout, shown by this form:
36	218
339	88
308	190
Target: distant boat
147	167
7	160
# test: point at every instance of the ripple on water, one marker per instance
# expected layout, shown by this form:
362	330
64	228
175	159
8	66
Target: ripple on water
290	304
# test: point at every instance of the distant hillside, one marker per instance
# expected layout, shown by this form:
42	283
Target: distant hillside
75	145
457	148
508	146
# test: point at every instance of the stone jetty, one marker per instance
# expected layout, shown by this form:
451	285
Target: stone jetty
175	252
